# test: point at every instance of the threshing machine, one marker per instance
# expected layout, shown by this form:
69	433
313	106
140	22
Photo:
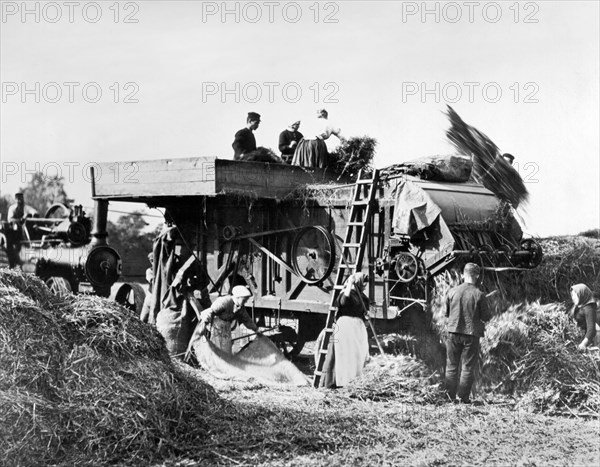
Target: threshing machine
292	234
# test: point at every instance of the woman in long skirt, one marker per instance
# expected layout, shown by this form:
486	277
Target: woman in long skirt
312	150
349	349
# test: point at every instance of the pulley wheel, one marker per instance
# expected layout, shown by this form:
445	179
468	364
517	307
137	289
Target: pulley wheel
229	232
313	254
58	211
407	266
535	252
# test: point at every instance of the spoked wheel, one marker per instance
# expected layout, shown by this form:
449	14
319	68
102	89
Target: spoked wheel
407	266
59	285
313	254
131	296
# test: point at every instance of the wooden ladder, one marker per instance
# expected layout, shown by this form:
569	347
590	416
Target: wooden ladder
353	249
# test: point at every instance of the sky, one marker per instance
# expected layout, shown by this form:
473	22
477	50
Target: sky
86	82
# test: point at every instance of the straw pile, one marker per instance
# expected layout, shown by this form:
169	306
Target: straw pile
489	167
531	350
567	260
399	378
83	381
262	154
352	155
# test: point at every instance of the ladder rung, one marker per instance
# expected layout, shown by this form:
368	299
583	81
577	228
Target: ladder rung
365	181
360	223
362	202
318	372
324	352
348	266
338	287
351	245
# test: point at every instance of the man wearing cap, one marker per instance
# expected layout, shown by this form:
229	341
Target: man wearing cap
288	140
244	141
508	158
466	310
18	211
222	313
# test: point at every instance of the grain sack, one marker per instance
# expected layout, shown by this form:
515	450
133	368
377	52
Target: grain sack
176	326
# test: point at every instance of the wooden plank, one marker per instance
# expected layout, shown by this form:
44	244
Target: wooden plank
165	177
201	176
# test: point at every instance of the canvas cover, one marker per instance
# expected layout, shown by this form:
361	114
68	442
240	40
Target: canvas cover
414	209
445	168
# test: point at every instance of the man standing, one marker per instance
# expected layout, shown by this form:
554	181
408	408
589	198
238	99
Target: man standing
244	141
18	211
466	310
16	214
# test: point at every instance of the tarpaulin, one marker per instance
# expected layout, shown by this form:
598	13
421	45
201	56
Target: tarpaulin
414	209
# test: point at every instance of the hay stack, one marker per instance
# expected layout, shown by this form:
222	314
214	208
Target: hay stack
531	351
352	155
84	382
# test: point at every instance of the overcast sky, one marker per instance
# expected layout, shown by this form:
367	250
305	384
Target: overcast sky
185	73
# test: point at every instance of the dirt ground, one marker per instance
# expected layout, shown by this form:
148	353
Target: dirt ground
286	426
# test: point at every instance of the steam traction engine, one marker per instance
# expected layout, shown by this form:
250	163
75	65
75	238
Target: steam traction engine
293	234
63	251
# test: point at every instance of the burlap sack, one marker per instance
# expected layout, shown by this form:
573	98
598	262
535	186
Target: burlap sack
177	327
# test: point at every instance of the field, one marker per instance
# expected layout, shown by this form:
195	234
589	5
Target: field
83	382
414	426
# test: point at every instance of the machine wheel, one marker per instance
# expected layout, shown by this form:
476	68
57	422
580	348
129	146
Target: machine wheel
407	266
131	296
57	211
535	251
313	254
59	285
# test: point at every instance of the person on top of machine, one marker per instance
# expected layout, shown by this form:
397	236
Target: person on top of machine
244	141
288	141
312	150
